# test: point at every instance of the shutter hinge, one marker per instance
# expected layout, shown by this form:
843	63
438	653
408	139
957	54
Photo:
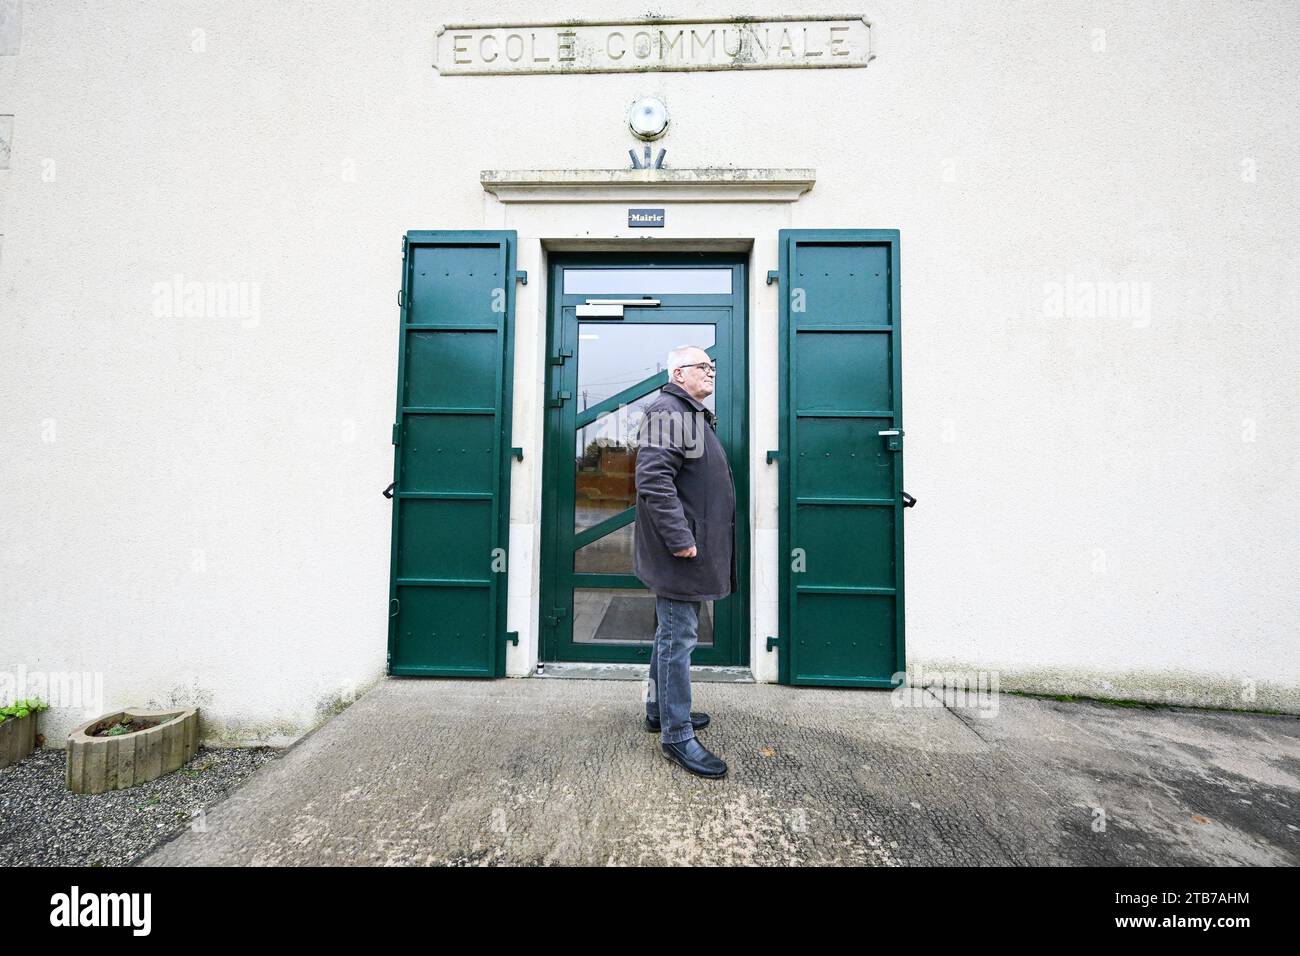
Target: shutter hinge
773	644
553	618
393	607
397	434
405	244
773	455
517	453
522	276
401	299
559	359
773	275
559	401
512	637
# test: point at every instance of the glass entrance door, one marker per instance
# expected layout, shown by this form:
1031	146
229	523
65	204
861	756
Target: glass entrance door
605	368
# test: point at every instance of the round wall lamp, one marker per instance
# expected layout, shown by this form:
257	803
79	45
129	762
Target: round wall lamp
648	118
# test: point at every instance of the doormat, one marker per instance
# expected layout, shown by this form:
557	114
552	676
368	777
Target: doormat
631	619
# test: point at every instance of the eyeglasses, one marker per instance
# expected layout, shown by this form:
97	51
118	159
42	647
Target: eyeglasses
708	367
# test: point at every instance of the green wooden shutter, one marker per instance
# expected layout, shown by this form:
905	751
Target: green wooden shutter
451	494
841	527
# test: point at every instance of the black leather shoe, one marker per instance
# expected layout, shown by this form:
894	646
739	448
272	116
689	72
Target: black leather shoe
692	755
698	721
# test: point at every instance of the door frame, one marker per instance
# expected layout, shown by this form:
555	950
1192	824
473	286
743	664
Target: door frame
557	443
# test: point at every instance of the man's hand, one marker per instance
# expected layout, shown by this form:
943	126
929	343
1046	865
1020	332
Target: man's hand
688	553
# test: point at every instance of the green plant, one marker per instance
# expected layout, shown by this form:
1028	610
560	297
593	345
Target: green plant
21	708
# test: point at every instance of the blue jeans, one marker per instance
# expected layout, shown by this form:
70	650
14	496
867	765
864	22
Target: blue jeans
669	694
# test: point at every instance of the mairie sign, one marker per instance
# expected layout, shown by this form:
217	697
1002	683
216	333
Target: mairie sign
645	218
653	44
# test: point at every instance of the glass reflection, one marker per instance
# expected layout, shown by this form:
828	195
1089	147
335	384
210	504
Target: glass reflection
613	360
688	281
611	554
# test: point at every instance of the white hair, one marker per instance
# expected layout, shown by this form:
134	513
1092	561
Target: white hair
682	356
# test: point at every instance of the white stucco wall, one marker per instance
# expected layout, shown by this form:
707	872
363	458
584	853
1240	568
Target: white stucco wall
191	506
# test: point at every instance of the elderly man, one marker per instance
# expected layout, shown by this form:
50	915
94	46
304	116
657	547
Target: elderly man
685	528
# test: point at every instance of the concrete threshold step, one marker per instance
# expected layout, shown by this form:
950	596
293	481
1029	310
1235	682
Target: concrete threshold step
585	671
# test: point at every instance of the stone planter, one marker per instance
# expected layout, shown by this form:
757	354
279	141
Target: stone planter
100	764
17	738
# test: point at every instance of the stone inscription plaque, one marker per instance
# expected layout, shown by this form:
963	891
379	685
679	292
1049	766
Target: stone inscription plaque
653	45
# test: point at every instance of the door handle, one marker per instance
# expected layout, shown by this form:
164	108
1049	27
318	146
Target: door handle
893	438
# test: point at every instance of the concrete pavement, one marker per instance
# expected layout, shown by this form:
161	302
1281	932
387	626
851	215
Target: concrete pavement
529	771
